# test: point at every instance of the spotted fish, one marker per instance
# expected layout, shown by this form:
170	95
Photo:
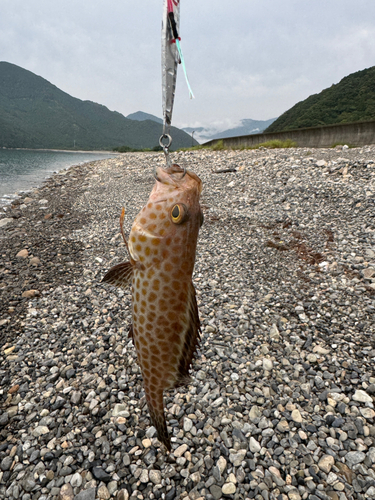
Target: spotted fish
162	246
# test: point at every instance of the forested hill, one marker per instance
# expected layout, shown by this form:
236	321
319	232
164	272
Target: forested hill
36	114
351	100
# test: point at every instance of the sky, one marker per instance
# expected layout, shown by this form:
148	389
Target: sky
245	58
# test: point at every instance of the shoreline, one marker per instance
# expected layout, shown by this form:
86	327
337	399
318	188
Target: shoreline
283	387
62	150
14	195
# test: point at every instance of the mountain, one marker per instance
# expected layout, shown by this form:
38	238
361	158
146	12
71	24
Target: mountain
246	127
140	116
350	100
36	114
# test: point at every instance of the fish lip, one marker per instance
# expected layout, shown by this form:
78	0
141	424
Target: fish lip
165	175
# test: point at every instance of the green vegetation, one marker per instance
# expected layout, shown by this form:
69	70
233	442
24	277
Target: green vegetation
36	114
127	149
219	146
351	100
276	143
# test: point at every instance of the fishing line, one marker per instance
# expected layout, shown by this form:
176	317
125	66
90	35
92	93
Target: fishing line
171	57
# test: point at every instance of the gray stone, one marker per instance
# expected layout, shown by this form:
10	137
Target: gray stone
354	458
6	463
88	494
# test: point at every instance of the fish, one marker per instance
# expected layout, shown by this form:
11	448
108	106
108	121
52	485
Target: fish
165	319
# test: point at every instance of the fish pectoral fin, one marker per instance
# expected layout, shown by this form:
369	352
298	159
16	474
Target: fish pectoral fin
120	275
192	337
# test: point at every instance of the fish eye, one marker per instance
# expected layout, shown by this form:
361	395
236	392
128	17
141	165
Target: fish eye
179	213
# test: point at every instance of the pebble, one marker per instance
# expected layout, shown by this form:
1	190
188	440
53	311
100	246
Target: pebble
362	396
281	400
228	489
66	492
325	463
254	445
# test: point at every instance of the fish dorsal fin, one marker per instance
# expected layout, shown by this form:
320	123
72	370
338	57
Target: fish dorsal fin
192	337
120	275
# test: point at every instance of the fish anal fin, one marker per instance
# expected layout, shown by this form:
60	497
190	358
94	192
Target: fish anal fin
192	337
119	275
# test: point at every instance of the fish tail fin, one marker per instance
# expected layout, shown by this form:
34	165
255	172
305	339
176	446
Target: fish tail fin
156	409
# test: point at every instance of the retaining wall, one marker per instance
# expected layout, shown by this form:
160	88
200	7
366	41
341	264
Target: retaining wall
352	134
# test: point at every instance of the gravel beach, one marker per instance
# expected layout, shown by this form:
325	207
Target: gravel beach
281	401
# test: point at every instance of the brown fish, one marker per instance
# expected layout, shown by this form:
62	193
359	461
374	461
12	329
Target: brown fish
162	245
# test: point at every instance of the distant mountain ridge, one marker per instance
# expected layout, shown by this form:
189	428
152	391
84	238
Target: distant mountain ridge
140	116
36	114
203	134
247	127
350	100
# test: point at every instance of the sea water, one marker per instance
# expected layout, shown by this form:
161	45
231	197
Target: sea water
23	170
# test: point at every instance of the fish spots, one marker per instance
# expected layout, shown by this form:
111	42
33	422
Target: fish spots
164	254
158	206
138	247
142	320
135	308
143	341
152	297
146	364
172	316
142	238
144	291
133	239
175	259
165	277
151	316
151	227
147	251
156	285
155	350
143	220
150	273
168	267
155	241
162	232
163	306
176	285
168	241
149	327
152	215
162	216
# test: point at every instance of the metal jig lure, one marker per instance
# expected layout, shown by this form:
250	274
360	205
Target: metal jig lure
171	57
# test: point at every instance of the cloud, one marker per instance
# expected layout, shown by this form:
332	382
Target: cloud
245	59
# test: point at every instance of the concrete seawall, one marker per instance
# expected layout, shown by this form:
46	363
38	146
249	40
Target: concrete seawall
353	134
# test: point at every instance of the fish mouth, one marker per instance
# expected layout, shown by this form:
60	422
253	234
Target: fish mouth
170	174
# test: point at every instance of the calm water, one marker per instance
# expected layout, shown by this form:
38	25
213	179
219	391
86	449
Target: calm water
26	169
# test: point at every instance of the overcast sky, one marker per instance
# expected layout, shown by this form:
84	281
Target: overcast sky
245	58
